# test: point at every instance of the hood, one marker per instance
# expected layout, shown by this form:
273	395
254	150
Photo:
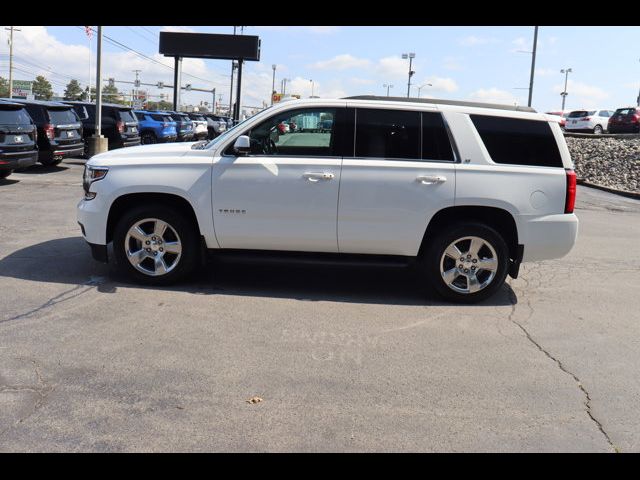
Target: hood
142	153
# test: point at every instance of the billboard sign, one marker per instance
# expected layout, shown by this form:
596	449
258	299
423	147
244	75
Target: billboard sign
22	89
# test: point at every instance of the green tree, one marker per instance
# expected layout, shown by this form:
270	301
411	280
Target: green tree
161	105
112	95
73	91
4	87
42	88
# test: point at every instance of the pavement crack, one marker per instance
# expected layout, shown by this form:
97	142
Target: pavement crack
587	402
61	297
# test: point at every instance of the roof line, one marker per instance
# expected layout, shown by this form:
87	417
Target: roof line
438	101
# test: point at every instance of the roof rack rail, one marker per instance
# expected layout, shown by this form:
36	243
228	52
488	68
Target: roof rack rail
442	102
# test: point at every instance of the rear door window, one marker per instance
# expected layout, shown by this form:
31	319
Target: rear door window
139	116
382	133
518	141
62	116
12	116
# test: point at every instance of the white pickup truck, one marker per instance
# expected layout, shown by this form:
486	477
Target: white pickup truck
464	192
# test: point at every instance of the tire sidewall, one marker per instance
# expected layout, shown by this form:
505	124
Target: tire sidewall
431	261
185	230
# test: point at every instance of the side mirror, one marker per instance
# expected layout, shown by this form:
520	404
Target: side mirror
242	146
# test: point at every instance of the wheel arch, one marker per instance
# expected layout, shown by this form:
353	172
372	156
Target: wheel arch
499	219
127	201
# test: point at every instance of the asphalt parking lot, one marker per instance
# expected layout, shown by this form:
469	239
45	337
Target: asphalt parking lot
343	359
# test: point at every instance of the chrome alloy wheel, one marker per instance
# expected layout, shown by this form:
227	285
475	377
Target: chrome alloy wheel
153	247
468	265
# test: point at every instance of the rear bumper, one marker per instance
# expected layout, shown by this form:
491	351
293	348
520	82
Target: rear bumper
547	237
15	160
58	151
185	136
624	128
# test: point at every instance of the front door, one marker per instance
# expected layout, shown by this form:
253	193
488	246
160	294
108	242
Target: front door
284	194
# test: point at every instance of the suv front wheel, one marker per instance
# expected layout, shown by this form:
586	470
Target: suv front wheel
467	263
155	245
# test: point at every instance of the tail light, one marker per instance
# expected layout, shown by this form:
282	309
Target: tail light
570	199
49	131
120	126
165	125
635	118
586	119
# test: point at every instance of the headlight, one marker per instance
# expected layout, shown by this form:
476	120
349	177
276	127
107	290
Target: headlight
92	174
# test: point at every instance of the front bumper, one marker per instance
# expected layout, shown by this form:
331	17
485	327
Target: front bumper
548	236
16	160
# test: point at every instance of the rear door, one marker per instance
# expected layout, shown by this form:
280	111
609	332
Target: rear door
67	125
401	173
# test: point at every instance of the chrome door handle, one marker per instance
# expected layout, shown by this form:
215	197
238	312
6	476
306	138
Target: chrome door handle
316	176
431	180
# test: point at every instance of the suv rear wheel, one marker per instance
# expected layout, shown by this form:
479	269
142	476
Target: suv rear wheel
147	138
466	263
155	245
5	173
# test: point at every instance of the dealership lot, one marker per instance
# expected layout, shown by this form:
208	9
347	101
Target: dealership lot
343	359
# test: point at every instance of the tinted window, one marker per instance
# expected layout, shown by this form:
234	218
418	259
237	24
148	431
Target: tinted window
387	133
127	116
10	116
36	112
581	113
625	111
139	116
62	116
435	140
312	135
81	111
518	141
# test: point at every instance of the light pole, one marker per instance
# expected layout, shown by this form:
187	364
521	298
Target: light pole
533	64
387	86
311	88
284	85
638	99
273	83
410	56
422	86
566	78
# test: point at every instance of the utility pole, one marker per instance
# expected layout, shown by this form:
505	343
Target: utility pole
273	82
233	67
410	56
98	143
533	63
136	84
11	29
387	86
638	99
564	93
214	100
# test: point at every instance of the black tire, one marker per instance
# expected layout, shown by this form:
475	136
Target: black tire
50	162
85	153
430	262
148	138
186	230
597	130
5	173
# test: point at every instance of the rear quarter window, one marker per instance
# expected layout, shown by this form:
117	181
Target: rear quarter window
517	141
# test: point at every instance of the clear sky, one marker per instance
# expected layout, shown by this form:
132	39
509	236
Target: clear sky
469	63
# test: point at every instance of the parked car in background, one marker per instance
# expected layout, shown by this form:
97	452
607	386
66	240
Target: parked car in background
18	138
563	118
119	124
625	120
59	130
591	121
155	127
184	126
200	131
215	125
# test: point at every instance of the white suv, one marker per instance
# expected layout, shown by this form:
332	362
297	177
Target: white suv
465	192
592	121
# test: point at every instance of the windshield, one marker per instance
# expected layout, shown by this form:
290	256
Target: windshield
62	117
127	116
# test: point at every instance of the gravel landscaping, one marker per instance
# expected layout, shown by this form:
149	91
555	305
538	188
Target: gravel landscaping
609	162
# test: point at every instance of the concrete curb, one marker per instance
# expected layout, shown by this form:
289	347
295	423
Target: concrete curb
623	193
623	136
